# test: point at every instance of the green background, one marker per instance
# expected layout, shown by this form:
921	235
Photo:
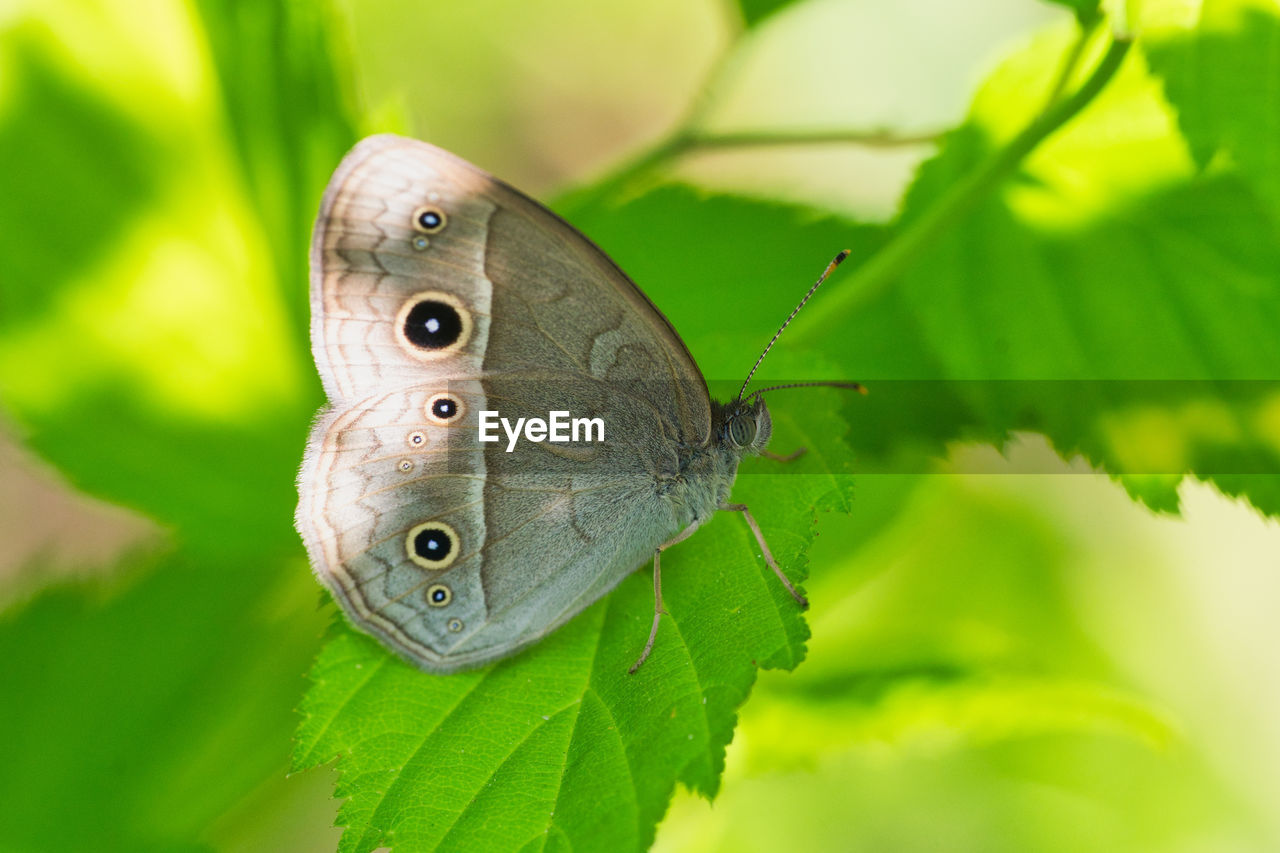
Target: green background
1029	631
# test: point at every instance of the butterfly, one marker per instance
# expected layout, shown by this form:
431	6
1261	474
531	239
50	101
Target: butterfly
445	303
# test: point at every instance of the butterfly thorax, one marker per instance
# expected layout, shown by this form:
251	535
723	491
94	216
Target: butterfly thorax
706	472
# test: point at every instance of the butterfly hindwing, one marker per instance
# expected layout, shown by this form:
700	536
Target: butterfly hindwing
515	543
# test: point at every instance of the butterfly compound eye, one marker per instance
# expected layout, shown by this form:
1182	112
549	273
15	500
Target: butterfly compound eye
742	430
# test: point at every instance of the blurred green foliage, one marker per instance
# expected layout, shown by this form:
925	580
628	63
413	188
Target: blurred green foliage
997	661
754	11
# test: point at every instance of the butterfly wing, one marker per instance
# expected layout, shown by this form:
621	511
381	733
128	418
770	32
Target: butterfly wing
566	308
431	282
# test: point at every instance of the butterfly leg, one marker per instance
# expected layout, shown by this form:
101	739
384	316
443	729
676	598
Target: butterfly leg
657	593
790	457
768	555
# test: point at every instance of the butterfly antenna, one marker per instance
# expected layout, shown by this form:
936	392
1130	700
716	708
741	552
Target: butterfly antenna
830	267
851	386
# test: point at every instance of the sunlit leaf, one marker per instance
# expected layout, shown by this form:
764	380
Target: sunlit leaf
755	11
1215	77
288	114
1086	11
145	714
1104	335
98	196
145	351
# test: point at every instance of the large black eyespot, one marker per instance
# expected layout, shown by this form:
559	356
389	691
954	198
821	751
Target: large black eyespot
742	430
444	409
432	324
432	545
429	219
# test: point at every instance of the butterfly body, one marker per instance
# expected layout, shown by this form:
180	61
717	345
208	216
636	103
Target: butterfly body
439	293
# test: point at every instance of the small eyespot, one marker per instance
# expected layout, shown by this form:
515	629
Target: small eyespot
432	545
455	625
420	243
416	439
432	323
439	595
404	466
429	219
444	409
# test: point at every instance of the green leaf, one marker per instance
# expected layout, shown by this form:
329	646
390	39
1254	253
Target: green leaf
1140	313
1124	317
1220	77
1086	11
196	405
755	11
119	174
145	350
146	715
559	745
280	71
1141	310
981	649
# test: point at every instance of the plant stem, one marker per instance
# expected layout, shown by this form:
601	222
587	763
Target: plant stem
687	139
690	142
751	139
613	184
1070	62
890	262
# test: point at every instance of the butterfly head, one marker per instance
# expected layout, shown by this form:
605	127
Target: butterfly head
747	426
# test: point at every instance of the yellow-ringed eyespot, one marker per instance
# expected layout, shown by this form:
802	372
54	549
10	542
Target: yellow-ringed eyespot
431	324
416	439
455	625
432	545
404	466
439	595
419	242
429	219
444	409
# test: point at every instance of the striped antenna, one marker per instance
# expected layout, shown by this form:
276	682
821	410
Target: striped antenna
830	268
